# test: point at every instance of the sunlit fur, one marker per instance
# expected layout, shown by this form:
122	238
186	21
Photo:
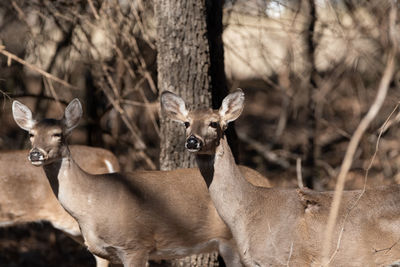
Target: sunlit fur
47	137
200	127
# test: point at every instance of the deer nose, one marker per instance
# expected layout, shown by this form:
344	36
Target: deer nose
193	143
35	155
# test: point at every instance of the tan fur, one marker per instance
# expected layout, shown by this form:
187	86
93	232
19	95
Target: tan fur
274	227
25	193
134	217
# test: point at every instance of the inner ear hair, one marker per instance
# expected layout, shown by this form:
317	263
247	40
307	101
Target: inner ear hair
22	115
173	107
232	106
72	115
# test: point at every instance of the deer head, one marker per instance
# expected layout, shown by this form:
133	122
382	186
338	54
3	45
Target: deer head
48	136
204	127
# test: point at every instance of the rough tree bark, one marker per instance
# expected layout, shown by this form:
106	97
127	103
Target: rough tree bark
184	67
183	64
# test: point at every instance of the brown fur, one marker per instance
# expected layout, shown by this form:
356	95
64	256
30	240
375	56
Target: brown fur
274	227
25	193
131	217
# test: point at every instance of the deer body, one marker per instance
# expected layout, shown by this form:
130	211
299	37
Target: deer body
274	227
25	194
141	214
133	217
145	213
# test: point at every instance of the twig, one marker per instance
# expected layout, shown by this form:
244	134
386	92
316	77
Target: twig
35	68
298	172
387	250
140	24
392	121
264	151
150	105
115	102
256	71
328	168
348	159
384	126
290	254
21	14
11	96
5	94
53	93
96	15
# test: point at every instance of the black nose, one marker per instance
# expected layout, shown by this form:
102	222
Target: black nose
35	155
192	142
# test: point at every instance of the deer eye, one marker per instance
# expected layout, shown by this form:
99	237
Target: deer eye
187	124
57	135
31	135
214	124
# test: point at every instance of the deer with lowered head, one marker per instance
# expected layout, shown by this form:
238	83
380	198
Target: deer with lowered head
26	196
134	217
274	227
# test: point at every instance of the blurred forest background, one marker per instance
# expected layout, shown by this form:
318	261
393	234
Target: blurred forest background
310	70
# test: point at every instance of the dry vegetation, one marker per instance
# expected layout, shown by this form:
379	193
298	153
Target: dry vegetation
309	78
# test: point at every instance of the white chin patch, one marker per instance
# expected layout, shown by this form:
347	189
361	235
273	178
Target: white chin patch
194	150
37	162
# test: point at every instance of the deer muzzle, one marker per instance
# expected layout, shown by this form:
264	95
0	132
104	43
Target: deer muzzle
37	156
193	144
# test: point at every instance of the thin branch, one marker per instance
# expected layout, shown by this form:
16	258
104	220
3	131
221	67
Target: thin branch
115	102
150	105
96	15
5	95
264	151
35	68
11	96
290	254
53	93
384	126
348	159
387	250
256	71
298	172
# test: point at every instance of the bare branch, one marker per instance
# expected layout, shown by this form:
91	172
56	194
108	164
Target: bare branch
96	15
348	159
384	126
298	172
264	151
35	68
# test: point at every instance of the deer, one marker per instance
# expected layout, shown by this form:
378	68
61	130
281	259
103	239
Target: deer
129	218
275	226
26	196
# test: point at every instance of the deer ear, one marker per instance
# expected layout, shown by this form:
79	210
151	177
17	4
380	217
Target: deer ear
173	106
232	106
22	116
72	115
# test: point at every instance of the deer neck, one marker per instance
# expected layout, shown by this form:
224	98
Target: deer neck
228	188
68	182
205	162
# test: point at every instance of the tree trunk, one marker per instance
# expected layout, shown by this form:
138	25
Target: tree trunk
309	83
184	67
183	63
